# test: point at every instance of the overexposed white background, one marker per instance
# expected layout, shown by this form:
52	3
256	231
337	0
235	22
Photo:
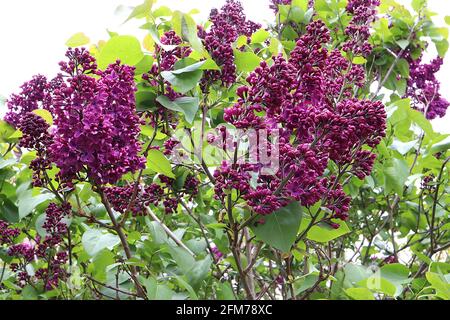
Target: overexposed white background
33	33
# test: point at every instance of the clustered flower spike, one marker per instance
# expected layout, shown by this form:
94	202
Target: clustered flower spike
363	15
152	194
33	95
424	89
120	197
95	126
46	249
36	136
310	97
7	233
227	25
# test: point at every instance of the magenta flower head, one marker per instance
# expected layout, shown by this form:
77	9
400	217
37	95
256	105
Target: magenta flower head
227	25
298	95
96	124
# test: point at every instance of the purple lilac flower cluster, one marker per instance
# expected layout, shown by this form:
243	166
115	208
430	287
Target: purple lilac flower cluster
96	127
363	15
424	89
34	94
227	25
36	136
120	197
152	194
42	250
7	233
300	94
96	124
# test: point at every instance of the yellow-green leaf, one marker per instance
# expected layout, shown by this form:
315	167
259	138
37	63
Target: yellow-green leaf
157	162
359	60
125	48
44	114
77	40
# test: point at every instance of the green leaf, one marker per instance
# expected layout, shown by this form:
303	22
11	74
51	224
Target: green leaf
355	273
149	131
9	211
185	261
157	232
419	118
186	286
417	5
141	11
77	40
16	135
379	284
29	293
246	61
27	202
6	163
183	81
382	28
209	64
186	105
199	271
403	147
44	114
302	4
396	173
305	282
94	241
144	65
145	100
125	48
280	228
397	274
440	284
101	261
192	67
157	162
403	43
403	67
192	63
360	294
6	130
442	47
441	146
447	20
326	233
157	291
241	41
190	32
162	11
225	292
259	36
359	60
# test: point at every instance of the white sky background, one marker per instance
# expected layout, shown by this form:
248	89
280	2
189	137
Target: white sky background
33	33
